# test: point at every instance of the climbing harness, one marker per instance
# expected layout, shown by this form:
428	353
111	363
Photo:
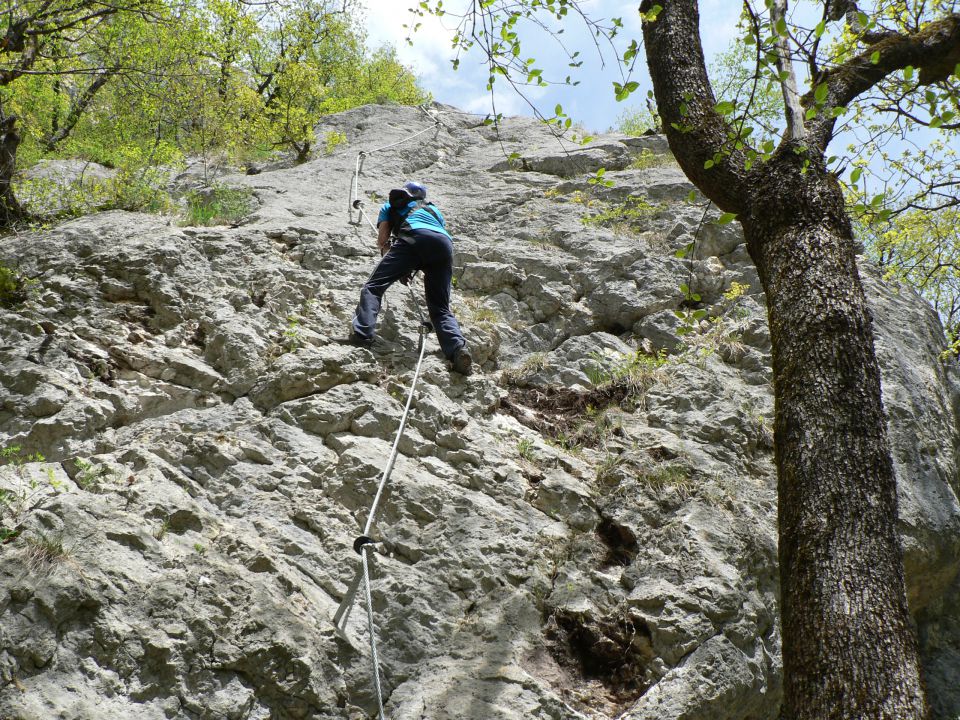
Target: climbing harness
364	544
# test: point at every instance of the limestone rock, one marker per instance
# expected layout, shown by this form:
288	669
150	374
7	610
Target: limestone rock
585	528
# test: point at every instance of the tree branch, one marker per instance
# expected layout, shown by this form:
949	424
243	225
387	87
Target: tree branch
697	133
793	112
78	108
935	50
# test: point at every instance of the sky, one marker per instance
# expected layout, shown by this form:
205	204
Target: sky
592	103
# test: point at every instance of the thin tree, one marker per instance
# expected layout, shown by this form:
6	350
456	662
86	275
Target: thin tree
849	649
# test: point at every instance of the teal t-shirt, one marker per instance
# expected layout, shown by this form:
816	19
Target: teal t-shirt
418	218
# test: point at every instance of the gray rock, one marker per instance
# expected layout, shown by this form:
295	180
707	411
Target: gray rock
550	545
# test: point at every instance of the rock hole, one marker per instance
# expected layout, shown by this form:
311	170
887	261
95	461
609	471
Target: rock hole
614	651
620	541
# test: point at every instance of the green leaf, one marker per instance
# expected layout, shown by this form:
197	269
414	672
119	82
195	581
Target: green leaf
820	29
863	19
855	175
875	57
692	196
811	113
820	93
651	14
558	110
708	164
781	27
724	108
726	218
908	72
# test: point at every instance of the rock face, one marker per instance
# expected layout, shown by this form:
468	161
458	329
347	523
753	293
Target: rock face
586	528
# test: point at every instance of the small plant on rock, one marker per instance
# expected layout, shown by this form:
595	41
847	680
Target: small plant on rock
44	551
718	334
160	532
673	476
646	159
606	469
627	216
25	491
598	179
636	368
15	287
89	475
217	205
292	339
525	449
332	140
531	366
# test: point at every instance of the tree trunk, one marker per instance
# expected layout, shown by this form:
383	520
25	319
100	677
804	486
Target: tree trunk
849	649
10	209
59	133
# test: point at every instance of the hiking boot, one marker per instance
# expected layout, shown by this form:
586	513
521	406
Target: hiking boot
359	340
462	362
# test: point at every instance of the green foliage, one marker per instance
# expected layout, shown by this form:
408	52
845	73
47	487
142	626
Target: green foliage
44	551
15	456
525	449
22	490
217	205
598	179
292	338
332	140
636	368
90	475
639	121
922	249
15	288
647	158
227	81
629	215
705	336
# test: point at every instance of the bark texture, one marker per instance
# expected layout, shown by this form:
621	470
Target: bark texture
849	647
10	209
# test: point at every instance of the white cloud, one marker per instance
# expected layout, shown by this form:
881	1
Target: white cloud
431	53
592	102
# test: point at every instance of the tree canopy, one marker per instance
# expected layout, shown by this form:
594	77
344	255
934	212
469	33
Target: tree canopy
139	86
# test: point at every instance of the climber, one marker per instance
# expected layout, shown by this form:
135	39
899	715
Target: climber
412	236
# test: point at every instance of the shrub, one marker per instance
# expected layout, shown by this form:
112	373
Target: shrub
332	140
217	205
649	159
14	287
623	216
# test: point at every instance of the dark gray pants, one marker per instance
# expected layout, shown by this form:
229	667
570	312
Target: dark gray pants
431	252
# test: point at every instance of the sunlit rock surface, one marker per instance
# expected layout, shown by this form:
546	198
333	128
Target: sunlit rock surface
553	544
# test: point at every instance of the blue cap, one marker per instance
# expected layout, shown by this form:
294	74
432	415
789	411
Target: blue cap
416	190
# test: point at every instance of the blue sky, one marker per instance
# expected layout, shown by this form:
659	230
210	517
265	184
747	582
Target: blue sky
591	103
